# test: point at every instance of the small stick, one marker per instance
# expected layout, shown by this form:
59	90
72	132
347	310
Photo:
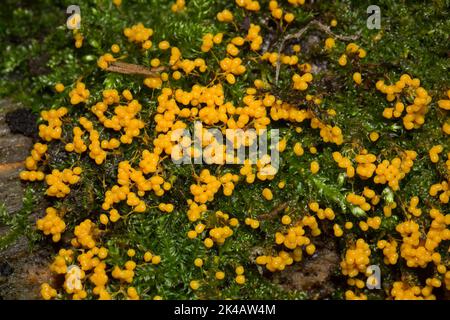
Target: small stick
275	211
129	68
326	29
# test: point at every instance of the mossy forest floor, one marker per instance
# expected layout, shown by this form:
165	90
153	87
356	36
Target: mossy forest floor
38	52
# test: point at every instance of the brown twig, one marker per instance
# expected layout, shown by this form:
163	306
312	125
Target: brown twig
275	211
327	30
299	33
129	68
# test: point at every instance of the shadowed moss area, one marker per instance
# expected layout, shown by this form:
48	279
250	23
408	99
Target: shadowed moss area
39	52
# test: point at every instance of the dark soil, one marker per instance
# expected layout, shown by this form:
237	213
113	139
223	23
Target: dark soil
22	271
22	121
313	274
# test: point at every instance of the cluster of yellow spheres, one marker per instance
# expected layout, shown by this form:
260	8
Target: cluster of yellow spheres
254	37
274	58
78	37
105	60
51	224
338	232
434	152
240	277
96	148
280	261
154	259
218	235
149	162
442	189
31	163
344	163
371	222
91	266
311	223
59	181
391	172
365	164
301	82
350	295
387	209
296	3
47	292
73	282
52	131
416	252
359	201
232	67
178	6
78	144
166	207
228	181
195	210
126	274
352	49
125	117
298	149
389	251
402	291
232	47
277	12
85	234
247	171
293	238
412	208
371	194
415	112
327	132
59	264
356	259
253	223
139	34
225	16
79	94
36	155
187	66
123	193
326	213
355	282
208	185
250	5
209	40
